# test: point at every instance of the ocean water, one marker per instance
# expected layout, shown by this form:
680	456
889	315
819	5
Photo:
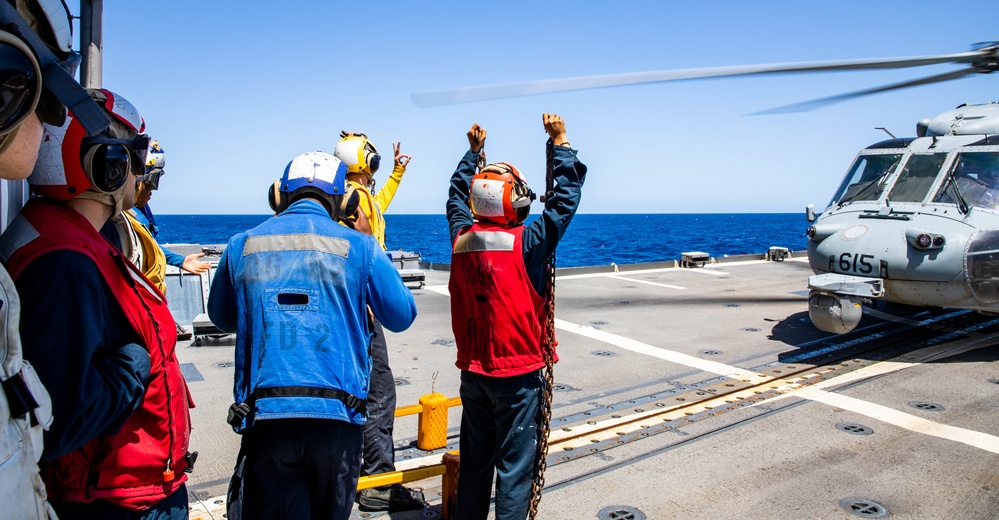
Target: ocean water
590	240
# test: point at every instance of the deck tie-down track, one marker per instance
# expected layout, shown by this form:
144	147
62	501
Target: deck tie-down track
883	348
588	432
572	440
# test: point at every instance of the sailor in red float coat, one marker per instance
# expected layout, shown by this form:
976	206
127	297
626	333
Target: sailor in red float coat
144	461
496	314
497	276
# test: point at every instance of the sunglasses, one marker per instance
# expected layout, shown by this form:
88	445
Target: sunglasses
112	158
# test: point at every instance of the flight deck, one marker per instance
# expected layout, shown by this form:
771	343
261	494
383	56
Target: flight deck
704	392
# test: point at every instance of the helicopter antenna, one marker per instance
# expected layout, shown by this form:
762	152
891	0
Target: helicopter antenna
886	131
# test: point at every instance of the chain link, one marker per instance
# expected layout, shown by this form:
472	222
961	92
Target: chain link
548	353
480	161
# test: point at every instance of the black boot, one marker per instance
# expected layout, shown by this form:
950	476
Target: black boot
390	498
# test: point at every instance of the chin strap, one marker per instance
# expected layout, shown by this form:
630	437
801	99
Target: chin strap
115	199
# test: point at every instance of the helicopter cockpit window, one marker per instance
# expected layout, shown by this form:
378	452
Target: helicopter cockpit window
917	177
866	178
976	180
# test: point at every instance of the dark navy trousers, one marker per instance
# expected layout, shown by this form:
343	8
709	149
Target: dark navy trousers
379	450
298	468
499	434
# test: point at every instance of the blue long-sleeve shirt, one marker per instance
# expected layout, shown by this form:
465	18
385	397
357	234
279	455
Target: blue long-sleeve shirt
541	236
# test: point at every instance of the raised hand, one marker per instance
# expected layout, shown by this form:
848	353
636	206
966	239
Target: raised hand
476	138
401	159
555	127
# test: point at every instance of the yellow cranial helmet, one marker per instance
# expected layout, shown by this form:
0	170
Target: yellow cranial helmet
355	151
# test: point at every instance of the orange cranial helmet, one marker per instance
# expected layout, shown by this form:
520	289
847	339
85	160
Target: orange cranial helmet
499	194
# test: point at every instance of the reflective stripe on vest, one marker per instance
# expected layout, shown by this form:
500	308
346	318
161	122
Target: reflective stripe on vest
484	241
296	242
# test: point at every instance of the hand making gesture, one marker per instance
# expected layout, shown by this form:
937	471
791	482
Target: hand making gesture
401	159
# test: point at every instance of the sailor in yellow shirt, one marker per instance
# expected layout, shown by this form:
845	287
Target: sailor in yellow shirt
362	162
138	236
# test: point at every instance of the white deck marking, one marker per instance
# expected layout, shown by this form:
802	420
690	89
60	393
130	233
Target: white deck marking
705	270
816	392
439	289
620	277
668	355
910	422
610	274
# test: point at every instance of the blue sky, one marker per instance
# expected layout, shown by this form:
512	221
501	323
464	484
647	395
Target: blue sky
235	90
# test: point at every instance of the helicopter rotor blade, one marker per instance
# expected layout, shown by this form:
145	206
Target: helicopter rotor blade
818	103
526	88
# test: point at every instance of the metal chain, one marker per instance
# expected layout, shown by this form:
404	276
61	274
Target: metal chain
480	161
548	353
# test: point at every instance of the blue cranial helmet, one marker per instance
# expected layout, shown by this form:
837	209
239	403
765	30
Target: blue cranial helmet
318	174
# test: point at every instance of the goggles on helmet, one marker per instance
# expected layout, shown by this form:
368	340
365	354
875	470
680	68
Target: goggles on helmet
152	178
114	157
20	82
53	89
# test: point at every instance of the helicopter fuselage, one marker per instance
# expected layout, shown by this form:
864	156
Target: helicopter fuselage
915	221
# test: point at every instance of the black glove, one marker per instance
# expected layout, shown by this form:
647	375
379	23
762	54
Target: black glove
237	412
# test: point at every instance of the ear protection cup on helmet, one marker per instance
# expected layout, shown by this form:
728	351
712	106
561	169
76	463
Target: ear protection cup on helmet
21	82
277	199
349	203
371	157
106	166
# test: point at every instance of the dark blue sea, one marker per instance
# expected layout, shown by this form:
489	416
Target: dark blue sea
590	240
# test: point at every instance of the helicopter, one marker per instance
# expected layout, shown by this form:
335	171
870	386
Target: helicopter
914	221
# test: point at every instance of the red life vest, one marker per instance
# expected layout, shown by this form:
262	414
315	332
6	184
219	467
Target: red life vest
144	462
496	315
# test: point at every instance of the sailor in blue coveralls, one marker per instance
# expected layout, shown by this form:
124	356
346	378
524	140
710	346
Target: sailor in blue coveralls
296	289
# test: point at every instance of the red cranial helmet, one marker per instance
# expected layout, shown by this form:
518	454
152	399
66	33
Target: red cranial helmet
499	194
70	163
